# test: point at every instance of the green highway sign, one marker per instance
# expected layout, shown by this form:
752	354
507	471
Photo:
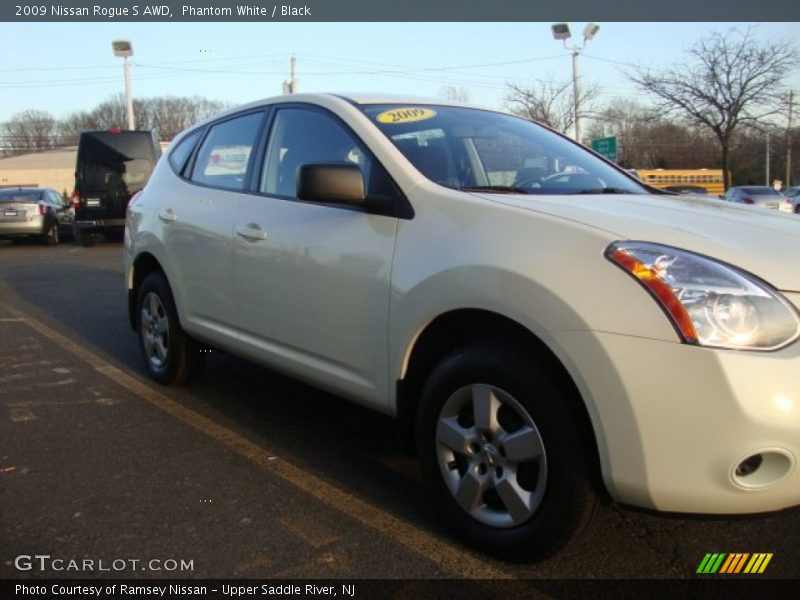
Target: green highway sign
606	146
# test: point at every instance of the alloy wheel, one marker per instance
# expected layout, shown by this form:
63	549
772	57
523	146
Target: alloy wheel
154	329
491	455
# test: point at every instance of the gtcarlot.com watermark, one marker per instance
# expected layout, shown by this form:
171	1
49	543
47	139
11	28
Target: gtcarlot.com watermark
46	563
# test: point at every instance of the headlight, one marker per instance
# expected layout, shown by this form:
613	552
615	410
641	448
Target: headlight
709	303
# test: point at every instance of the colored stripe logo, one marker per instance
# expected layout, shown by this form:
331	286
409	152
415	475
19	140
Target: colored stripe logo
734	563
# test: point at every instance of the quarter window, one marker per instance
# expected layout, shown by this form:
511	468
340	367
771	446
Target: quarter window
179	155
225	153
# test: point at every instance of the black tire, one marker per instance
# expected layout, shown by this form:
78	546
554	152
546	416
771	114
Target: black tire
553	491
170	356
51	236
87	238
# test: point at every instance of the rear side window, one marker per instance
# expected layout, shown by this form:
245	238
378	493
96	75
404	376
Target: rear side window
20	196
224	155
179	155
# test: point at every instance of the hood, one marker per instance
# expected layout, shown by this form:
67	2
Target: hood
763	242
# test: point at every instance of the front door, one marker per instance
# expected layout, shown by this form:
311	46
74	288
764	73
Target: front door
312	280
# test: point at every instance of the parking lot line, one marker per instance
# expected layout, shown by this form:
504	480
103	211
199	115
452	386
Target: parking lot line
451	558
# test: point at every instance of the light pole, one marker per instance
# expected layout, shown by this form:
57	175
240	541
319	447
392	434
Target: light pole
561	32
124	49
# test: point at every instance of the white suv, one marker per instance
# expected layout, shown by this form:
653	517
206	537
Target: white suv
544	326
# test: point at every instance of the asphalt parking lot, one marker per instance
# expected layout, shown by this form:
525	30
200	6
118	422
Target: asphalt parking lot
245	473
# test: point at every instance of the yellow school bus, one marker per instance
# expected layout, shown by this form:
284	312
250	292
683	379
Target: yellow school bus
710	179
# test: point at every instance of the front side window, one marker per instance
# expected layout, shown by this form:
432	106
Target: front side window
55	199
300	136
473	150
224	155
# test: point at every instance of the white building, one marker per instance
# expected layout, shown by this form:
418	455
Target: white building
52	169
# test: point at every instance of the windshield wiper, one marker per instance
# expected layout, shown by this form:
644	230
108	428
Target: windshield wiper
503	189
604	190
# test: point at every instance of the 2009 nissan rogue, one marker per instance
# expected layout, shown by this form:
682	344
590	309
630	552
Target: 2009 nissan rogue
542	324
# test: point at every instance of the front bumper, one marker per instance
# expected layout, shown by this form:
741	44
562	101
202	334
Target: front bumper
674	421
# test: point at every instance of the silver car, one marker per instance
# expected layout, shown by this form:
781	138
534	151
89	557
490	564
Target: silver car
761	196
793	193
38	212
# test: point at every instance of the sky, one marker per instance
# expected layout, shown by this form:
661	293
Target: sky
67	67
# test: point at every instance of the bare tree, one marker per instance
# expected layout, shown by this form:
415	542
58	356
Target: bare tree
169	115
29	131
165	115
730	80
109	114
551	103
649	140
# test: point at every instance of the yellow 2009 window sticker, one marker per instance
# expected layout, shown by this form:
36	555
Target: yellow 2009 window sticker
406	114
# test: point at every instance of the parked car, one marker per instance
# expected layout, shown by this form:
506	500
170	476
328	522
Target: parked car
111	167
541	343
35	212
762	196
793	193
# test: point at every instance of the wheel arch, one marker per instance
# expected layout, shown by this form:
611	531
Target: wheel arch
461	327
144	264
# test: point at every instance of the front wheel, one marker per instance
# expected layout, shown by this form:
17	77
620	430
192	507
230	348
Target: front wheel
170	356
504	454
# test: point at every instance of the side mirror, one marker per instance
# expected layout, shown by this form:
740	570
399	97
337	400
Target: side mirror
340	183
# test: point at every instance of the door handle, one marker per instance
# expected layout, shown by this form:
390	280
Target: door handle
168	215
251	232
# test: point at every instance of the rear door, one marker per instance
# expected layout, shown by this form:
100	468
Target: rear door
196	215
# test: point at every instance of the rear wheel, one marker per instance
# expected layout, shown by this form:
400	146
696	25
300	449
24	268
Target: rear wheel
170	356
506	459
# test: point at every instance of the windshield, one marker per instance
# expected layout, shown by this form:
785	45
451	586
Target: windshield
476	150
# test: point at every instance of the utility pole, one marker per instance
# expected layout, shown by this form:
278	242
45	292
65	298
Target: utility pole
290	87
789	143
766	175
